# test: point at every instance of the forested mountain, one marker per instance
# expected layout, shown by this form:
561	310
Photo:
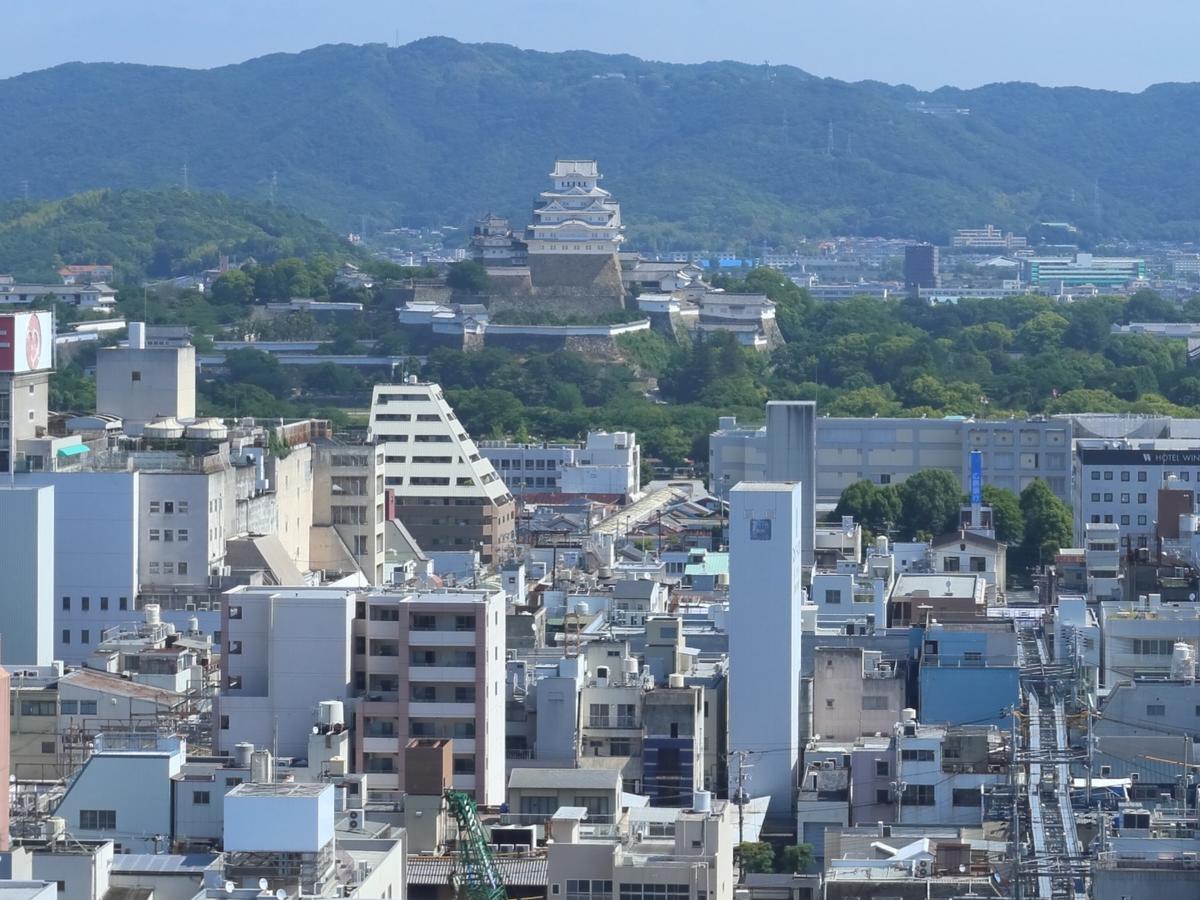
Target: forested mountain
154	233
436	132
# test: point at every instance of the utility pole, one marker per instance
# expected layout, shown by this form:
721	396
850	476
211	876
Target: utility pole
185	177
1015	824
740	799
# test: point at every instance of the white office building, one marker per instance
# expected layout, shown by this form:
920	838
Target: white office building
765	594
605	463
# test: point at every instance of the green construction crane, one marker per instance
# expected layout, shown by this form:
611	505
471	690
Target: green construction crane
477	877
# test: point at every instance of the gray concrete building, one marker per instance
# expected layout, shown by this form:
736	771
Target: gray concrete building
887	451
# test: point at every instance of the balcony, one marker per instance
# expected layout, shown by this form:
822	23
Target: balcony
443	673
381	745
441	638
423	710
601	722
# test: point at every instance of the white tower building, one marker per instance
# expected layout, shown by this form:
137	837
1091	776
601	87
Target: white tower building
765	590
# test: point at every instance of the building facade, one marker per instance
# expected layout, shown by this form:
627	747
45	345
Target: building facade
603	464
446	493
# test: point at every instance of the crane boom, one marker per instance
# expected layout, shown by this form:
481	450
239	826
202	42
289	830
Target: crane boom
479	877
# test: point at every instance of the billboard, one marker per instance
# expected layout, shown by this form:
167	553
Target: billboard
976	478
26	342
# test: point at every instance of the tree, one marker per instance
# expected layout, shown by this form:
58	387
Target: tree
875	508
795	858
1047	524
756	856
1007	517
930	502
253	367
234	288
468	276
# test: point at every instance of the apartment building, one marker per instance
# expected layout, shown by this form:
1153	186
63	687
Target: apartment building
349	502
446	494
1139	638
431	665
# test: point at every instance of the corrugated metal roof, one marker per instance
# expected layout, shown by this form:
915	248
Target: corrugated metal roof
595	779
524	871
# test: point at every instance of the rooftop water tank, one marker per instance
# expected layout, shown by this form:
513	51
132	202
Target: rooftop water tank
701	801
151	613
208	430
675	680
165	429
330	713
242	753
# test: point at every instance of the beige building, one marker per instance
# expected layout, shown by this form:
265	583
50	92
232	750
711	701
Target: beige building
855	693
349	509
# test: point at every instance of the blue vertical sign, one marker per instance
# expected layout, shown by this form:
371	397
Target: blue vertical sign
976	478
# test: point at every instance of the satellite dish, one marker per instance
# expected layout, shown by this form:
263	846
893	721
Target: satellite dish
281	894
262	884
229	886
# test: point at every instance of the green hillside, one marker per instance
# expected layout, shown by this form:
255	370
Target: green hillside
151	233
437	132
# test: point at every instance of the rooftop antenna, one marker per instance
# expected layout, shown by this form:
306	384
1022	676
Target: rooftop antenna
25	188
185	178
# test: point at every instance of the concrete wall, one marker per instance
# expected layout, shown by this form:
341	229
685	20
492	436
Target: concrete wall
140	385
96	545
26	603
765	580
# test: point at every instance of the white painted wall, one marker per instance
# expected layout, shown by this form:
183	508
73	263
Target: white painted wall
26	602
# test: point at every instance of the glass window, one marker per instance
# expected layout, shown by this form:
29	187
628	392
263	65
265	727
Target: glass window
98	819
87	707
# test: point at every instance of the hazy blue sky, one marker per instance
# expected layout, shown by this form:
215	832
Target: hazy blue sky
1114	44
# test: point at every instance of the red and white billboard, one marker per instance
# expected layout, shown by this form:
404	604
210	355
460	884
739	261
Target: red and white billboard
26	342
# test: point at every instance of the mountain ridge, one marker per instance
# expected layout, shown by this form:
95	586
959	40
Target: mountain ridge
437	132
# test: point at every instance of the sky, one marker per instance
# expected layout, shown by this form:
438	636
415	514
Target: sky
1110	44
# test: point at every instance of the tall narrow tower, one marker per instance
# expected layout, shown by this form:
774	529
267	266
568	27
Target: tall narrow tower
766	532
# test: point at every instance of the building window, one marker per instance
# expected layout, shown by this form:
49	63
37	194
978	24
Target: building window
87	707
98	819
882	768
1141	476
1124	476
1095	497
1141	520
1095	475
66	636
916	755
1156	709
48	748
1108	475
135	375
950	564
85	603
869	702
464	765
833	596
1125	520
123	603
1141	498
181	568
967	797
69	707
154	534
85	637
66	603
224	723
1108	498
919	795
233	781
978	564
585	889
103	604
882	797
201	798
885	479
